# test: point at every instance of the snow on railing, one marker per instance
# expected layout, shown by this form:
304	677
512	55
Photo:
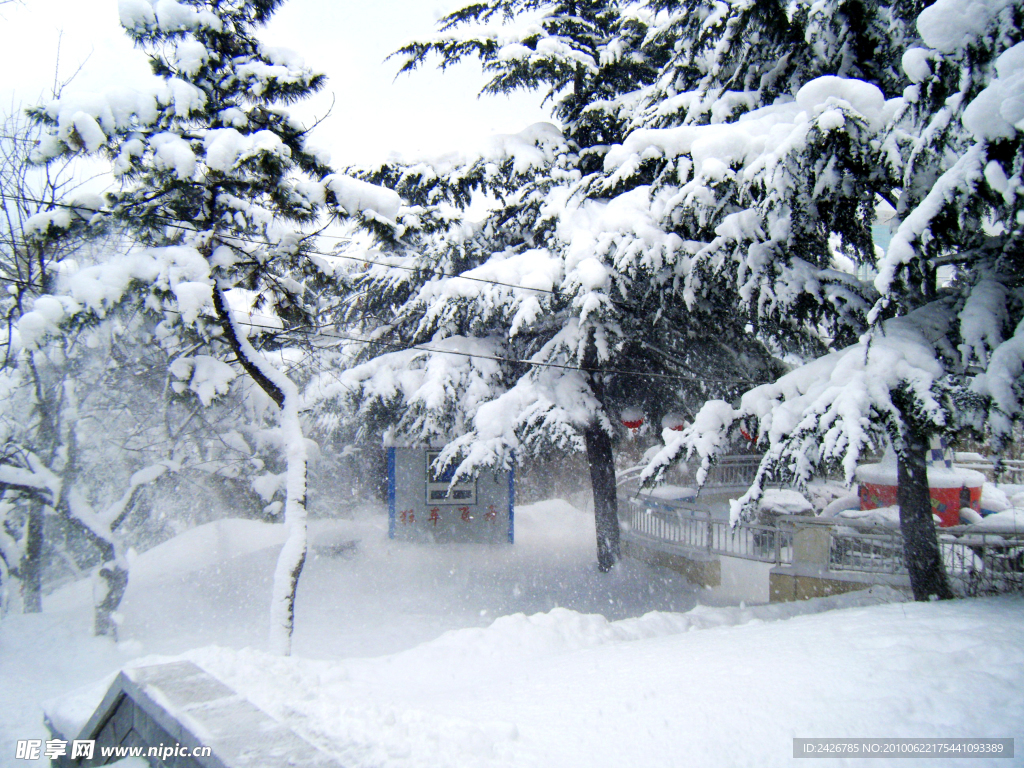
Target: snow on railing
690	526
984	563
731	471
995	468
876	552
976	563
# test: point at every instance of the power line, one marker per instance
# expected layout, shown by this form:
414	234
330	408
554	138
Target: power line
513	360
509	360
370	262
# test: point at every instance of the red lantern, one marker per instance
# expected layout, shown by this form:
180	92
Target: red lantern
674	421
632	418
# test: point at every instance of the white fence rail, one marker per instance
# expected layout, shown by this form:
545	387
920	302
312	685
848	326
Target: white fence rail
732	471
852	550
691	526
975	563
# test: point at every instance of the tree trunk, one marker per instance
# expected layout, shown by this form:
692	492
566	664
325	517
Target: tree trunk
116	578
30	570
293	554
292	558
606	506
920	542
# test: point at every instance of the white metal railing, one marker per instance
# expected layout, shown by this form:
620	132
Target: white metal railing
875	552
984	563
976	563
732	471
1012	467
689	526
995	469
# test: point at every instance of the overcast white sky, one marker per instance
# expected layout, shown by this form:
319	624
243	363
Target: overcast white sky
346	39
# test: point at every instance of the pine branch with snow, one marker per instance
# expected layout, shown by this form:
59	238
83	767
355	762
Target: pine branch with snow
222	185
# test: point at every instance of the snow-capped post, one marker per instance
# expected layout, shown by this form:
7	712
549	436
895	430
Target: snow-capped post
218	179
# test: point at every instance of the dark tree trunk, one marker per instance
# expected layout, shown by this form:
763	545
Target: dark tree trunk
116	579
920	542
606	507
31	568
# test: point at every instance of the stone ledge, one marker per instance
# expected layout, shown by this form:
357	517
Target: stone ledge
179	703
791	583
699	567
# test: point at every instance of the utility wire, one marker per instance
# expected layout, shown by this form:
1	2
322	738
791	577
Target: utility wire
420	347
316	331
436	272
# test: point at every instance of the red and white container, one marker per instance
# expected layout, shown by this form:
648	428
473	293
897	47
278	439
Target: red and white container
950	488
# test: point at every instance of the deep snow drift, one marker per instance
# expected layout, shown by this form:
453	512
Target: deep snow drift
466	655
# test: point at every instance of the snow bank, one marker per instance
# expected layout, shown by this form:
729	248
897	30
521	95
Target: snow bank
517	638
1008	521
887	517
993	499
938	476
531	688
842	503
571	690
783	501
193	550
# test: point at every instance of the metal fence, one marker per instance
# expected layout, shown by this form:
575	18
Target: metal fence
995	471
732	471
875	552
981	564
691	526
976	563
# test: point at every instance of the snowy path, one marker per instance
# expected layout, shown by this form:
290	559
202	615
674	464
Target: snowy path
472	656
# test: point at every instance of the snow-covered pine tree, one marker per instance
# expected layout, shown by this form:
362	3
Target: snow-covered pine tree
535	328
218	180
811	165
74	459
26	271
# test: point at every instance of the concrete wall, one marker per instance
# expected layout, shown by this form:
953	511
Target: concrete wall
789	583
699	568
744	580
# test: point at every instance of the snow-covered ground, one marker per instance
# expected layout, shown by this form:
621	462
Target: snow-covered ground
525	656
